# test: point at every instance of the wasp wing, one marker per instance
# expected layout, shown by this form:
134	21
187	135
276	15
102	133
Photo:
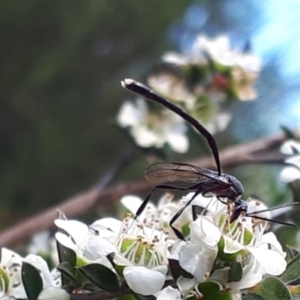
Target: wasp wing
179	172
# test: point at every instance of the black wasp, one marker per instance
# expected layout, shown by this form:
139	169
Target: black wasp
203	181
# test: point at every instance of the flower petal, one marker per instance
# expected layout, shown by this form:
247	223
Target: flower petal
205	231
289	174
77	230
272	262
185	284
178	142
66	241
132	203
52	293
9	257
197	259
168	293
289	146
143	281
271	239
107	223
98	247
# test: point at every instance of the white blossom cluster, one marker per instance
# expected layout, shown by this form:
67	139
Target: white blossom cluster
212	75
144	247
11	285
146	250
153	129
243	66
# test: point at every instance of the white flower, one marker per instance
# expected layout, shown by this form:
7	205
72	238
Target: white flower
86	242
174	89
292	171
198	255
11	281
244	67
159	216
212	234
219	50
242	83
77	234
290	147
143	251
168	293
153	130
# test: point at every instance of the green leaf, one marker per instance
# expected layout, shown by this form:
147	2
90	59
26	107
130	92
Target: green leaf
212	290
71	277
195	75
66	254
32	281
272	288
69	256
68	270
294	186
236	272
118	268
292	271
251	296
102	277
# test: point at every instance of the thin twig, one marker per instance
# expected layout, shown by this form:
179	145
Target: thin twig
249	153
121	165
94	197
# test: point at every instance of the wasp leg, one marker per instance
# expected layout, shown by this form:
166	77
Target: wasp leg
181	210
161	186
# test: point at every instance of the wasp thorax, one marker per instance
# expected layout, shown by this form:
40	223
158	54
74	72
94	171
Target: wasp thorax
237	188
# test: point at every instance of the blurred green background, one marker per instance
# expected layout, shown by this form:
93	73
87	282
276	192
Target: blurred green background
61	66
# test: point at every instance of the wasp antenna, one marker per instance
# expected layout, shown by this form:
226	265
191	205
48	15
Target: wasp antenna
273	221
272	208
143	90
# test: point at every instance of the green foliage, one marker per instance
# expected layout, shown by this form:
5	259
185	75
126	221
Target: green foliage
235	272
271	288
32	281
102	276
292	272
211	290
59	63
